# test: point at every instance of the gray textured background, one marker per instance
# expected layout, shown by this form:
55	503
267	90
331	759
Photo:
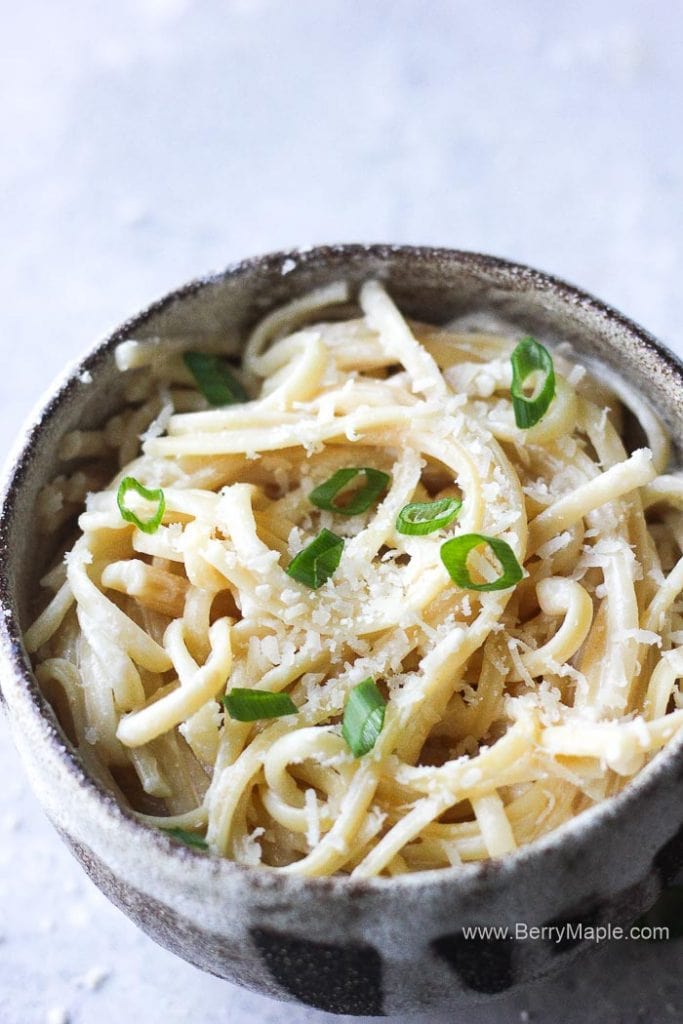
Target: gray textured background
147	141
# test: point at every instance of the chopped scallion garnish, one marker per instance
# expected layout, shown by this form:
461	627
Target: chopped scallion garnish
376	482
528	357
129	483
363	717
454	556
252	705
422	517
317	562
215	381
188	838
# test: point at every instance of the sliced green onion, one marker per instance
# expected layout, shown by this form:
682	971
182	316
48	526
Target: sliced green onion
454	556
214	379
129	483
422	517
363	717
527	357
189	838
316	563
252	705
375	483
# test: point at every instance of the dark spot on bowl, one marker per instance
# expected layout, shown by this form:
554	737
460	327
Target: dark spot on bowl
668	860
570	925
338	979
484	965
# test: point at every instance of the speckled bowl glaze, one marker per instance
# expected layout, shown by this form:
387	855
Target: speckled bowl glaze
359	947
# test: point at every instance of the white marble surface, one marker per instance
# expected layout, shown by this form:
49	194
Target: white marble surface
146	141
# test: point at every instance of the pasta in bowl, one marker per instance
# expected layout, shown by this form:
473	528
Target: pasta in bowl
349	579
387	597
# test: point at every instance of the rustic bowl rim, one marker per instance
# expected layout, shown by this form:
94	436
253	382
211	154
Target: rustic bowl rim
571	833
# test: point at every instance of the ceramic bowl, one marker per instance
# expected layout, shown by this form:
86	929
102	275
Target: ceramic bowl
358	947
